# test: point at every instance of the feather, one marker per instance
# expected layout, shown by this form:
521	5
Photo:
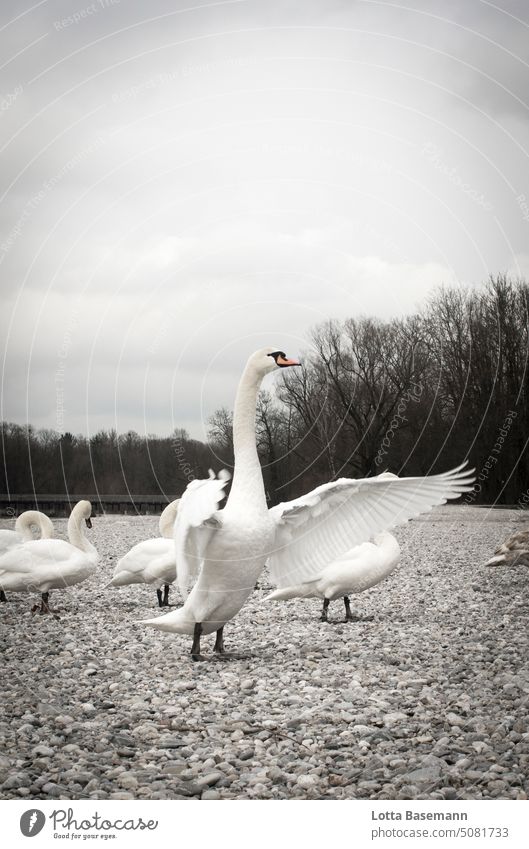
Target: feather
321	526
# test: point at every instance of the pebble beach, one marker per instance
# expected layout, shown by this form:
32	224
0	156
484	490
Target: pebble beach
429	699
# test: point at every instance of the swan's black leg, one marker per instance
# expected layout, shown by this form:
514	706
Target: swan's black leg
350	617
165	602
219	642
159	594
44	606
195	648
3	596
323	617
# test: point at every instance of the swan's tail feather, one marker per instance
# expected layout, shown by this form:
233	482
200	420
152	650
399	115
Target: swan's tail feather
175	622
301	591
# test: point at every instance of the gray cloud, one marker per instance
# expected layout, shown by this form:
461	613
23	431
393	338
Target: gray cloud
180	187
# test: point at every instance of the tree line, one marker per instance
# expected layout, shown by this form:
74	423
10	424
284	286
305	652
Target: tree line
414	395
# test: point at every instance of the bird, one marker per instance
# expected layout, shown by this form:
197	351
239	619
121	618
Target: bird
513	552
24	532
357	570
45	564
224	551
152	561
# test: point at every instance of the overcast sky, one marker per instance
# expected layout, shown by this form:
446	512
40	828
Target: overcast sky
182	183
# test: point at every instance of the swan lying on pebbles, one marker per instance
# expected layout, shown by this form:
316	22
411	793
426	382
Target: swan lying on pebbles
513	552
226	550
24	532
152	561
45	564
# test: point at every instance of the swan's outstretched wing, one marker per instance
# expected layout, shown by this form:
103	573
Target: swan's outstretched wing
196	520
315	529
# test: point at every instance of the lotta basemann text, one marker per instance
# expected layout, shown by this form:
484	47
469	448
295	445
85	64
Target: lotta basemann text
419	815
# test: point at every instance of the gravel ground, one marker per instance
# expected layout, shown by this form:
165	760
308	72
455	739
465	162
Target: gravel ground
427	701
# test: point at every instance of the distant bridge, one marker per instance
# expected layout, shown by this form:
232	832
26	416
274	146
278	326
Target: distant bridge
61	505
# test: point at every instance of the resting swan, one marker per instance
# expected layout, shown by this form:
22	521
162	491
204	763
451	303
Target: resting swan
355	571
228	548
152	561
46	564
24	532
513	552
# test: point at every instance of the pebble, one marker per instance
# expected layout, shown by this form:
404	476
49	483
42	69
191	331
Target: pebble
430	700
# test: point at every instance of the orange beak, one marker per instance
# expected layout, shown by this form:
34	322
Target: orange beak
284	362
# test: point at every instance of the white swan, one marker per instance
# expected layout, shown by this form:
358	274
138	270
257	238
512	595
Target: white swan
355	571
45	564
24	532
513	552
228	548
151	561
23	529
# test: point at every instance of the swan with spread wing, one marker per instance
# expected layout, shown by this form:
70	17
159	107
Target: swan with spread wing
225	551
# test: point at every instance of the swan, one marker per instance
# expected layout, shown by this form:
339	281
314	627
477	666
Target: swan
226	550
355	571
151	561
24	532
513	552
46	564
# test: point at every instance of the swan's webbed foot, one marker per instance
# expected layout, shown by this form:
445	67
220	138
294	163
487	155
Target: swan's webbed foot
219	642
165	601
3	596
323	617
195	648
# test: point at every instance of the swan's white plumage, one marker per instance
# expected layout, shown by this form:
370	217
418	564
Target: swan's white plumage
23	529
44	564
357	570
153	560
195	523
323	525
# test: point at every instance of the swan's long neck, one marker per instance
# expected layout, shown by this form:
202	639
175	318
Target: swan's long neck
247	491
76	535
32	518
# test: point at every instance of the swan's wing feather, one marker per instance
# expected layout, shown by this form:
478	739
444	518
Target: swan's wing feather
140	555
36	555
314	530
197	519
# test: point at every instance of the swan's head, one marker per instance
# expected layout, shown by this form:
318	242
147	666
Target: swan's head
83	510
267	359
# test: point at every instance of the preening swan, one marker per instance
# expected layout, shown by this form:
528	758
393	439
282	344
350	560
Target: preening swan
228	548
45	564
355	571
24	532
513	552
152	561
